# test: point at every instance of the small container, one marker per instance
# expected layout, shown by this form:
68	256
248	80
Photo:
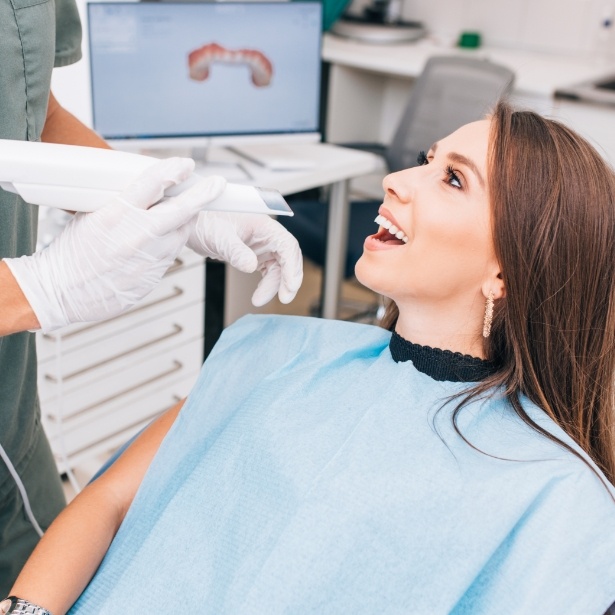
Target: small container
469	40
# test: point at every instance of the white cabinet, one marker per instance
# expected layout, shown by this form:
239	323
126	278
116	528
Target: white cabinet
101	383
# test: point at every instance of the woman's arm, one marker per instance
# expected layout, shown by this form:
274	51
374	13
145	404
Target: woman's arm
74	545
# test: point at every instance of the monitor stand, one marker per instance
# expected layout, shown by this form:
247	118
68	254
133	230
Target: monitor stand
274	156
237	160
210	163
209	159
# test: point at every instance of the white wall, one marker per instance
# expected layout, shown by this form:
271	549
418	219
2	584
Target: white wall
559	26
71	84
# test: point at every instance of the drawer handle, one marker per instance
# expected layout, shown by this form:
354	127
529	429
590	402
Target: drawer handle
177	264
177	329
177	366
176	292
143	421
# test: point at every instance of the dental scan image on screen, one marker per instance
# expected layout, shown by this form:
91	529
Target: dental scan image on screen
180	70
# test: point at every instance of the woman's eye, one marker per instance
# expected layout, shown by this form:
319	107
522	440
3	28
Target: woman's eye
452	178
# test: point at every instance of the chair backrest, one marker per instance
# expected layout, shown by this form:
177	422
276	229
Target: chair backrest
450	92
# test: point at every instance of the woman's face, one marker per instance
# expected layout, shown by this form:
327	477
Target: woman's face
442	217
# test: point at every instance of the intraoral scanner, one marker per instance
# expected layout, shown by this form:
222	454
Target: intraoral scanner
79	178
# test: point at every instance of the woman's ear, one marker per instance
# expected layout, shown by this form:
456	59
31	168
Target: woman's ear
494	285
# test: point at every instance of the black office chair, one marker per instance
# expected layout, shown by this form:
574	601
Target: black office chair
450	92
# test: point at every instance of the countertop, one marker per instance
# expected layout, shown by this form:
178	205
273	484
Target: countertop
538	74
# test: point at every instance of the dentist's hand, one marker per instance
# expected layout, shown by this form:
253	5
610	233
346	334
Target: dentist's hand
104	262
251	242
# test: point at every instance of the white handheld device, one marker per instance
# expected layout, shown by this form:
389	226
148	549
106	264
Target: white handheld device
79	178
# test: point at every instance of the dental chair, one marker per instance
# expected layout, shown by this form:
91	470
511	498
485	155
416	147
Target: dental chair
451	91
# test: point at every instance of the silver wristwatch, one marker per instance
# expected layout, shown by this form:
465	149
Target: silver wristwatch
18	606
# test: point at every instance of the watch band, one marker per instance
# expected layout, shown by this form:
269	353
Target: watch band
18	606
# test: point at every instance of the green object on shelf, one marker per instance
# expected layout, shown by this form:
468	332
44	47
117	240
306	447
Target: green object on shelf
469	40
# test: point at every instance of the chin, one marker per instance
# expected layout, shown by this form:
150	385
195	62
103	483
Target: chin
366	275
376	278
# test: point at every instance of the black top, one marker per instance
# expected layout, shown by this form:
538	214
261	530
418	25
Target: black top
441	364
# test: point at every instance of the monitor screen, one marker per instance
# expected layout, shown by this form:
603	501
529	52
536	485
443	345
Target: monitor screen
204	69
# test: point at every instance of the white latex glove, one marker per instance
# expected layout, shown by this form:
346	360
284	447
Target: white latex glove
251	242
104	262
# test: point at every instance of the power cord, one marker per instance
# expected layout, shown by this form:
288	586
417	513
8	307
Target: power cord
22	491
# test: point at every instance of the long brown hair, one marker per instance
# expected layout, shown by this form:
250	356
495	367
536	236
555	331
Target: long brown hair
553	217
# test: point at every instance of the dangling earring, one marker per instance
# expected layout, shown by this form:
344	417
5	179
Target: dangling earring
488	315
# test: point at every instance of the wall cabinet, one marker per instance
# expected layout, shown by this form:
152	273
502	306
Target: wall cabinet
100	383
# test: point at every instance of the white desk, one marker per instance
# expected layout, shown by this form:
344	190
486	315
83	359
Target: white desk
537	73
330	165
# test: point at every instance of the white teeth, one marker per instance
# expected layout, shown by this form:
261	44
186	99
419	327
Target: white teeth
383	222
387	224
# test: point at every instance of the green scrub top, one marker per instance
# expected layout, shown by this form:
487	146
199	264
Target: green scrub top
35	36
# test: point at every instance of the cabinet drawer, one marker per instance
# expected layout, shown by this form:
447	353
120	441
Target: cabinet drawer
110	425
109	358
78	403
182	287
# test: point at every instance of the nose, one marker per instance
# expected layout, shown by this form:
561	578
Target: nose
399	185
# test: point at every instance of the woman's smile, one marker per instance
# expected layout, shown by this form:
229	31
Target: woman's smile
389	235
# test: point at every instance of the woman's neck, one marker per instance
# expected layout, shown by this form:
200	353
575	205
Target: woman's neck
456	330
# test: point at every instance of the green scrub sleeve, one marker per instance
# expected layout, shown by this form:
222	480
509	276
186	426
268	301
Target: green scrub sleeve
68	33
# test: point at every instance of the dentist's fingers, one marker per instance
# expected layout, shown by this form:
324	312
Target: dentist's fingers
181	209
149	187
274	251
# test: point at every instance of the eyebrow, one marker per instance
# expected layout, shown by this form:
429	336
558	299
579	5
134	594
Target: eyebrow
461	159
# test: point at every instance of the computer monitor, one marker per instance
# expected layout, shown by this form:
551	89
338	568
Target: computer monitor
203	73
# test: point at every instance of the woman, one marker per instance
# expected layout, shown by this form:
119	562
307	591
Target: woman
460	464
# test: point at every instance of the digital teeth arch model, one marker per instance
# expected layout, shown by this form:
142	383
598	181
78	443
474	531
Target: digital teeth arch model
201	59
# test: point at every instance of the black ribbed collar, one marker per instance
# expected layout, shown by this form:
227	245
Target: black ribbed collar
441	364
